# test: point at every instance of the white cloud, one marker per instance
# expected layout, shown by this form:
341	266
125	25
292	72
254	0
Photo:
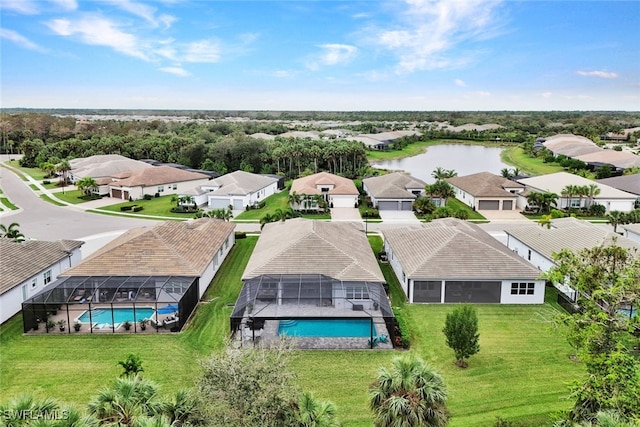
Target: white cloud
332	54
460	83
202	51
19	39
143	11
546	94
178	71
601	74
65	4
25	7
431	29
95	30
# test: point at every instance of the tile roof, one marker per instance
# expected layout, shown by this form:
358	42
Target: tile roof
172	248
571	145
620	159
21	260
456	250
484	184
393	185
582	235
628	183
240	183
555	182
104	165
307	184
158	175
335	249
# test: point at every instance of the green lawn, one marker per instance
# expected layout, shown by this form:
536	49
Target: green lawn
48	199
515	156
36	173
6	202
157	206
456	204
520	373
74	197
273	202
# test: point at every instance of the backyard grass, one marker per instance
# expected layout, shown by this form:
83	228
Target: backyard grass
530	165
520	373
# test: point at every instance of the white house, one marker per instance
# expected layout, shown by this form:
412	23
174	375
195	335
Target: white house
453	261
103	166
486	191
632	232
611	198
394	191
538	244
239	189
160	180
28	267
339	192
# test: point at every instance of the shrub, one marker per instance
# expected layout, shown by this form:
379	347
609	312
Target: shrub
401	329
46	181
137	208
156	195
240	235
597	210
555	213
149	197
125	208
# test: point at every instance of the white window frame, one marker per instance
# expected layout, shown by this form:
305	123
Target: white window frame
357	292
46	277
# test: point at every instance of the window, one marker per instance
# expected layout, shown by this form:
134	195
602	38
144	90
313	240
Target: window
357	292
175	186
34	283
575	203
529	255
47	277
160	188
522	288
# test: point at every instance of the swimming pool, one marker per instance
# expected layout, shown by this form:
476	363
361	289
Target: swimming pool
120	315
326	328
627	312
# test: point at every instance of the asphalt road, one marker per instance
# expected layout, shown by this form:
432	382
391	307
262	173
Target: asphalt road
45	221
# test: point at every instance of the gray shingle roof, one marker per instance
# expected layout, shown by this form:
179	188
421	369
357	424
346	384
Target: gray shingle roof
336	249
628	183
172	248
393	185
240	183
574	238
21	260
484	184
556	182
455	250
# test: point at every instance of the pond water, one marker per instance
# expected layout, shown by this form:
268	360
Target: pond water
464	159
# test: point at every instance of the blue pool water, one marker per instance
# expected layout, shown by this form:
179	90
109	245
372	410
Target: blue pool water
120	315
628	312
326	328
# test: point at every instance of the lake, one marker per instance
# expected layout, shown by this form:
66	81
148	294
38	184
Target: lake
464	159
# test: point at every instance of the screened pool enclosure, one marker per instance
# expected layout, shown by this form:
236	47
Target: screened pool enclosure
269	302
112	304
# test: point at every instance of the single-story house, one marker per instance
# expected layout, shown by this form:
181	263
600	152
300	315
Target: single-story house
160	180
155	271
380	141
627	183
28	267
538	244
619	160
311	270
103	166
570	145
611	198
632	232
452	261
486	191
239	189
339	192
395	191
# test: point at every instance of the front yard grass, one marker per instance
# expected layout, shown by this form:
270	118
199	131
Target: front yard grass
74	197
156	206
274	202
521	372
456	204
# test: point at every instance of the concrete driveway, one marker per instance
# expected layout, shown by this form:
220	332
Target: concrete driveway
345	214
500	215
399	216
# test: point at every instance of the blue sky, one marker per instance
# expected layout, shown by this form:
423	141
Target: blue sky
321	55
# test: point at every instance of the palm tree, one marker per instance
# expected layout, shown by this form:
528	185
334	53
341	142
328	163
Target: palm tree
13	412
295	199
11	232
63	167
127	402
410	393
87	185
591	191
267	218
442	189
568	192
616	218
440	173
314	413
548	200
505	173
179	408
423	205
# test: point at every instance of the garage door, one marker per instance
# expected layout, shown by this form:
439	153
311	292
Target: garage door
219	203
489	205
472	291
116	193
507	205
388	206
407	206
237	204
343	201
